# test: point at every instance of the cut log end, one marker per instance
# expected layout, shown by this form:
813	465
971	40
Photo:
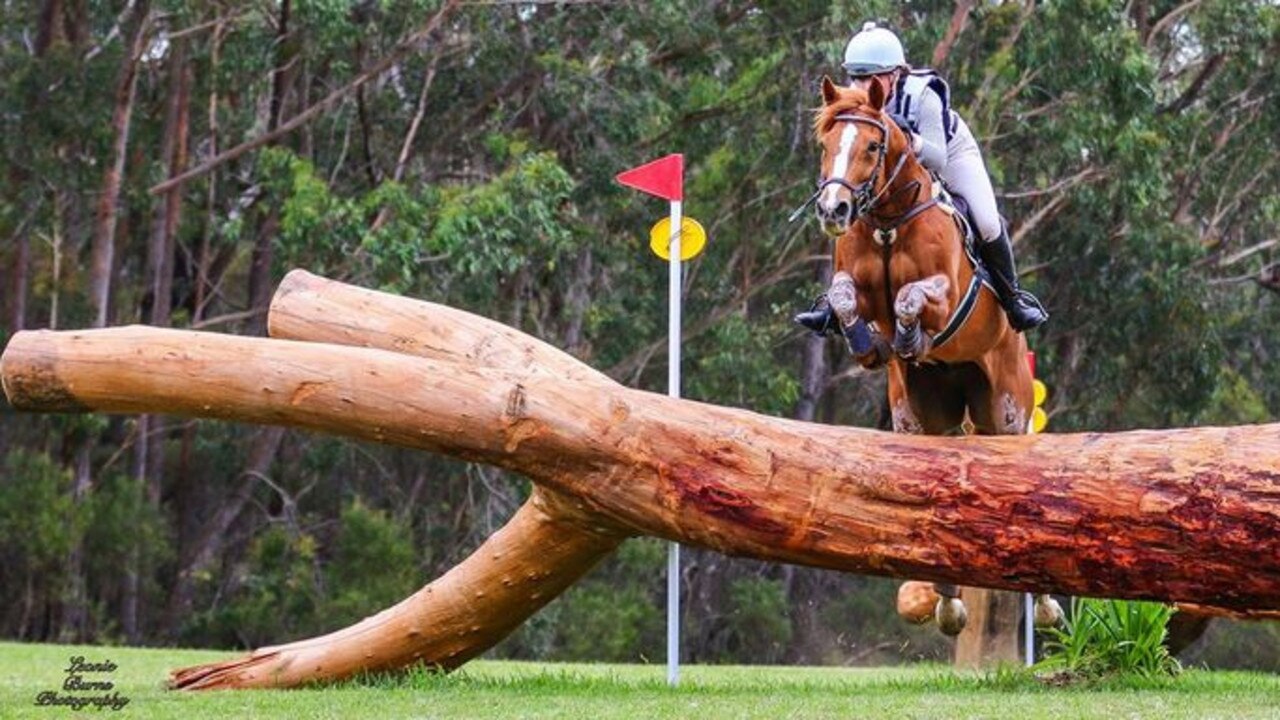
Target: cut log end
30	378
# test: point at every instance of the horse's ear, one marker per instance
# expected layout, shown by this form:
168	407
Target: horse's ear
877	94
829	91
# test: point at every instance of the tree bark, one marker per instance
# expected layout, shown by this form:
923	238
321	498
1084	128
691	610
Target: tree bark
18	282
959	19
104	234
1184	515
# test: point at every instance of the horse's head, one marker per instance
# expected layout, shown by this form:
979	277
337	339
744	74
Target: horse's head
855	137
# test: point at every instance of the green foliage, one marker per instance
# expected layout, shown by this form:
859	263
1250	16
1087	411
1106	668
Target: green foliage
758	626
291	584
734	366
39	524
127	533
278	595
1107	637
611	615
373	566
522	219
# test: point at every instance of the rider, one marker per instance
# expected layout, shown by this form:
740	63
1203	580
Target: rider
920	103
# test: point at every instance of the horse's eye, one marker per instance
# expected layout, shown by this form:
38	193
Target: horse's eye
873	147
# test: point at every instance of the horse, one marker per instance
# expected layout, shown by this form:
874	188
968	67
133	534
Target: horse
902	270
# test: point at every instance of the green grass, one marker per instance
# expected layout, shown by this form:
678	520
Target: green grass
491	689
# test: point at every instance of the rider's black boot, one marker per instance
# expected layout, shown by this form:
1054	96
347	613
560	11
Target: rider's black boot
819	318
1024	310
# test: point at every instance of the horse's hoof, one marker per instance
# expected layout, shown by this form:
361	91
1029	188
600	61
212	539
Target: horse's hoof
1048	613
952	616
906	341
916	602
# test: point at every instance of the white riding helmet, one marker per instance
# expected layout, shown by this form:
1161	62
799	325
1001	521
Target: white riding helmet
872	51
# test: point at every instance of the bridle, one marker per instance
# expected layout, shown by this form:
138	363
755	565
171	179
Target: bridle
865	196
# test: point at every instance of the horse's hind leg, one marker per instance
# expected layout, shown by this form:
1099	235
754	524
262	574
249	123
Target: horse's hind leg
919	602
932	407
1002	406
950	612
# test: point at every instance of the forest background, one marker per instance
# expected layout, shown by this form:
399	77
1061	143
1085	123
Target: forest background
463	153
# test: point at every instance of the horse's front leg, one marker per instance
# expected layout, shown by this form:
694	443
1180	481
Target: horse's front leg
867	347
909	340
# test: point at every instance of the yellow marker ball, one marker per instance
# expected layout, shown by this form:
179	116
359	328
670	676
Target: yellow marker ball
1038	420
692	238
1039	391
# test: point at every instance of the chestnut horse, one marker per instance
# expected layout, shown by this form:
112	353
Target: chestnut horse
901	265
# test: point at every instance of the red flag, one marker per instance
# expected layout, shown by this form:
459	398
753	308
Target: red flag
663	177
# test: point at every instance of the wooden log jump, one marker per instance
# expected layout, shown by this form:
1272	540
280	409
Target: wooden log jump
1187	515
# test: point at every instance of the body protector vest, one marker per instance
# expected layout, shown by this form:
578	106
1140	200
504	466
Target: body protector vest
906	99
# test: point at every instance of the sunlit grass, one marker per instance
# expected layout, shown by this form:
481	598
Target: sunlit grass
498	689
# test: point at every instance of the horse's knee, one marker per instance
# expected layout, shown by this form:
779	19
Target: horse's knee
917	602
843	298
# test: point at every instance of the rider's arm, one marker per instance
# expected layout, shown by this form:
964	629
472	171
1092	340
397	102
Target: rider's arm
931	137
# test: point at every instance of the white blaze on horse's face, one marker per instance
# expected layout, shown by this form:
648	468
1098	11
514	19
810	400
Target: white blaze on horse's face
830	200
840	165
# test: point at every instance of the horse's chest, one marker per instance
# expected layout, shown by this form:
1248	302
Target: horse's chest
869	280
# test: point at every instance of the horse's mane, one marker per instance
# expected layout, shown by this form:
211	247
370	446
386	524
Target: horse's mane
847	100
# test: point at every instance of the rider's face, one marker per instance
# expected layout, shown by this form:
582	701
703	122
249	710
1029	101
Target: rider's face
887	79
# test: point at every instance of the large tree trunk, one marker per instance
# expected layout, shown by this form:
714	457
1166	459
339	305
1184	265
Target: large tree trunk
104	232
1190	515
263	256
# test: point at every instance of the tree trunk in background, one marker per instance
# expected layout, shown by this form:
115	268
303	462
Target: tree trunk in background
102	267
260	277
102	254
808	645
18	283
51	27
149	449
212	537
814	370
991	636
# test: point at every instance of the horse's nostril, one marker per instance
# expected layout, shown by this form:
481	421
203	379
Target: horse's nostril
842	210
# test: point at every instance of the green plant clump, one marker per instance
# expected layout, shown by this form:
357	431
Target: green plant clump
1112	637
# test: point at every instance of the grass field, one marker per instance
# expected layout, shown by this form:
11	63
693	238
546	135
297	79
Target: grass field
489	689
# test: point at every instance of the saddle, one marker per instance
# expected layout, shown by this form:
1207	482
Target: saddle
958	208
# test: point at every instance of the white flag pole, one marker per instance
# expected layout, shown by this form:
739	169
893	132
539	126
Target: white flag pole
673	389
1030	603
